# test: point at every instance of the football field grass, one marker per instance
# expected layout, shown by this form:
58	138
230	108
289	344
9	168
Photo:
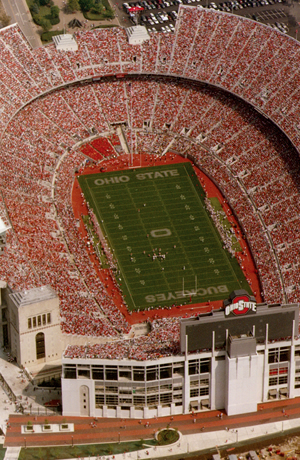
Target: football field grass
165	245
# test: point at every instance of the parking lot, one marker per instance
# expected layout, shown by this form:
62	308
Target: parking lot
161	15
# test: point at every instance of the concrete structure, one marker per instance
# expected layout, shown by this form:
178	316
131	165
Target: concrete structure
137	35
30	323
3	230
235	369
65	42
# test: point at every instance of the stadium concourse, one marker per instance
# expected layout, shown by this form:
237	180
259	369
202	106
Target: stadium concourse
222	90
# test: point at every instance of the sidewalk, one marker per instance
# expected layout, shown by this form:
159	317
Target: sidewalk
199	432
31	397
203	442
12	453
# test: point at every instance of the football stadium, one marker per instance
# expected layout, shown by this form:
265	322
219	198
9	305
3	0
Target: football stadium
149	218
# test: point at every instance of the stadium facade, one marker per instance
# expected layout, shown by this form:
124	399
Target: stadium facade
244	348
52	104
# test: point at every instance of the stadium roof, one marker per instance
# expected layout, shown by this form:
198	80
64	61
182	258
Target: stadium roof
34	295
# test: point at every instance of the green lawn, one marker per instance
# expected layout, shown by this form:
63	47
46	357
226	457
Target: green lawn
81	451
164	242
2	452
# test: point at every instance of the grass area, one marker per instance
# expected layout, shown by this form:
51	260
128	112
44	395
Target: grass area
105	26
167	436
164	243
2	452
225	223
107	13
98	17
47	36
65	452
44	10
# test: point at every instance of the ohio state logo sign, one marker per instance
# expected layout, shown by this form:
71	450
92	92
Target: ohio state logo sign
239	305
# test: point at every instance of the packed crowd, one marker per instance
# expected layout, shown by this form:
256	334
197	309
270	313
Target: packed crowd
163	340
44	127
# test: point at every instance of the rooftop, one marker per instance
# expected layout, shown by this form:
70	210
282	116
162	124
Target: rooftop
33	295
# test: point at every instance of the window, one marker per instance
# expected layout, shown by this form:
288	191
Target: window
70	371
111	373
97	372
123	400
138	374
4	310
178	370
194	392
125	374
166	387
153	389
279	355
193	367
39	321
152	400
111	400
152	373
166	398
139	400
204	391
40	345
278	374
297	351
125	391
204	366
165	371
83	372
111	389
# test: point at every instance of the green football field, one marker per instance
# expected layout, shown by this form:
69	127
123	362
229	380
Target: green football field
165	245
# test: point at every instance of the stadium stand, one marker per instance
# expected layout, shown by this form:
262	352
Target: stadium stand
176	93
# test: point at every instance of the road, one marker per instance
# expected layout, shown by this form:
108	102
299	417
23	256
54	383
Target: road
19	12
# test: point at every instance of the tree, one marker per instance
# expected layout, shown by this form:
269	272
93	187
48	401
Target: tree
4	19
54	11
34	8
97	8
45	24
73	5
86	5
